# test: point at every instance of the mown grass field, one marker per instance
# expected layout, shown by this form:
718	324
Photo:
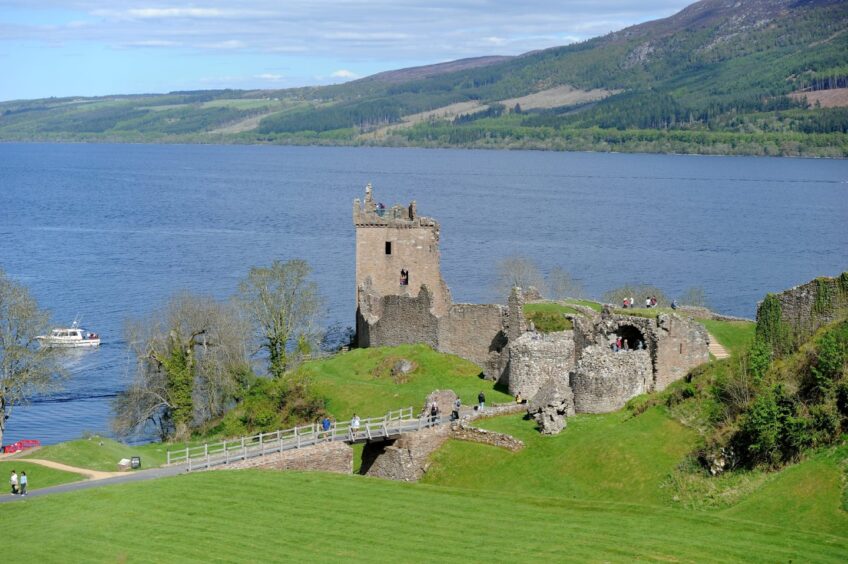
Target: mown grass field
271	516
361	382
39	476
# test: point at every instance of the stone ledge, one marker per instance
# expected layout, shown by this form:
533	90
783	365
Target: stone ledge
464	432
326	457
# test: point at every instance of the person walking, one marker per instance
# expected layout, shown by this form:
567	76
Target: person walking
481	401
354	424
23	483
434	413
325	426
13	481
456	407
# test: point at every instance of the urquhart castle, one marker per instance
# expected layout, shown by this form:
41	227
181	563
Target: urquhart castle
402	298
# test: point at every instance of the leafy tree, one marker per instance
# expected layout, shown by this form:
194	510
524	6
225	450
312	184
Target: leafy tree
517	271
283	305
25	367
192	364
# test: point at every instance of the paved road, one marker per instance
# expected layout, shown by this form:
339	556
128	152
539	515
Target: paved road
137	476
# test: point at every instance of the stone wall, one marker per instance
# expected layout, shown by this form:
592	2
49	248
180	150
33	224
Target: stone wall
808	307
534	358
604	380
681	345
402	320
325	457
406	459
473	332
464	432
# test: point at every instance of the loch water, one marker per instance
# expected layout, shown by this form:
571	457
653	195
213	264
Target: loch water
109	232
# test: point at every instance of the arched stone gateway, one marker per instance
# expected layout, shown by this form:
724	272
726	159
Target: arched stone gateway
631	336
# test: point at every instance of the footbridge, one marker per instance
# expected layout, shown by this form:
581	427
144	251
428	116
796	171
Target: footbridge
389	426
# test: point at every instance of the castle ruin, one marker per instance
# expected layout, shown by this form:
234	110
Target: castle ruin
401	298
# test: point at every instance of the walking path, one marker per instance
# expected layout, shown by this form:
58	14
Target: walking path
716	348
109	479
88	473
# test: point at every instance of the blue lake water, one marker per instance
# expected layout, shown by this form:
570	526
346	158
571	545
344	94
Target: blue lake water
109	232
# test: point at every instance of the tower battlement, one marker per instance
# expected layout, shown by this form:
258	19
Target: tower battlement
370	213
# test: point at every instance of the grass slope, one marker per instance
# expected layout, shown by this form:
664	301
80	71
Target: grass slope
613	457
273	516
360	381
735	336
100	453
38	476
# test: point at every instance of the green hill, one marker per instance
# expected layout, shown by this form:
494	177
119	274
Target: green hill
717	77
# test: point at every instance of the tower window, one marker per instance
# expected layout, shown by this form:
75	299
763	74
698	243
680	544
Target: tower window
388	247
404	278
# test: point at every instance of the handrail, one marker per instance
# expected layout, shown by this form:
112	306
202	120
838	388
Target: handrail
229	450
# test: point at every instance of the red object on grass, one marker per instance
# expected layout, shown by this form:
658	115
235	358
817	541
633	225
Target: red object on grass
23	444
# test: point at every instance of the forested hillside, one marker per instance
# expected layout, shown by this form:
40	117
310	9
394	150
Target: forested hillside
753	77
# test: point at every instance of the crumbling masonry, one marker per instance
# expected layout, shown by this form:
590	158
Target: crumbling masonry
402	298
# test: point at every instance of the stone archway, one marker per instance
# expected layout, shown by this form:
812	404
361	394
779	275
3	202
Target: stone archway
632	335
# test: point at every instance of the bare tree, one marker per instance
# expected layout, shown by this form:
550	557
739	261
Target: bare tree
192	360
517	271
561	285
694	296
283	305
638	292
26	368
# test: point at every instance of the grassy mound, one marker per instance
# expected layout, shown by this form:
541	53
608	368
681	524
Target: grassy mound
322	517
360	381
38	476
549	316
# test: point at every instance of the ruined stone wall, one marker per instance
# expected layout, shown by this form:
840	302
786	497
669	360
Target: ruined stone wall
403	320
604	380
473	332
808	307
325	457
405	459
464	432
681	345
534	358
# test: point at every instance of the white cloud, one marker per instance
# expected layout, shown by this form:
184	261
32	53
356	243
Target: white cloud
270	77
344	73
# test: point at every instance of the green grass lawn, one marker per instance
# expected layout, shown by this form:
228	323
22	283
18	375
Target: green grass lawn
273	516
613	457
360	380
549	316
38	476
587	303
91	454
735	336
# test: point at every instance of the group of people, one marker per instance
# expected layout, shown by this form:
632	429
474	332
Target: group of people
630	303
19	484
620	344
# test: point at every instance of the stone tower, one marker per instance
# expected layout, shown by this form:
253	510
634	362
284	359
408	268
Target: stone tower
397	252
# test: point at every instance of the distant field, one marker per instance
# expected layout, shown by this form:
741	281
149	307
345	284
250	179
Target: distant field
270	516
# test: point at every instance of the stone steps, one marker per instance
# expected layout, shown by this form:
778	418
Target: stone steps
717	350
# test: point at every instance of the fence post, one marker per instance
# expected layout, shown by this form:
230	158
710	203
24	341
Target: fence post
243	450
169	458
206	452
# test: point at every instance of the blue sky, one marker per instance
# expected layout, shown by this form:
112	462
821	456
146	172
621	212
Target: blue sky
98	47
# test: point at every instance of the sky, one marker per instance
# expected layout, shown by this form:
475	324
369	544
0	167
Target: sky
101	47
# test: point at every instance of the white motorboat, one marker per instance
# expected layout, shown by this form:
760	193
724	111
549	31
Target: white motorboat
73	336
